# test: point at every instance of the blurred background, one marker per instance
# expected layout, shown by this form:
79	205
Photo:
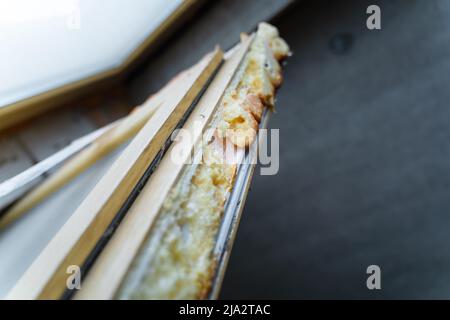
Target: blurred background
364	146
365	159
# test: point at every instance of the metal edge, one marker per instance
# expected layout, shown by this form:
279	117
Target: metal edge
233	212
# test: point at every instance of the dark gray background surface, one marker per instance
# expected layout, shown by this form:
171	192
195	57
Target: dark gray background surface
364	178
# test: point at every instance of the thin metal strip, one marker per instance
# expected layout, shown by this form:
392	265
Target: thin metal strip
233	212
10	186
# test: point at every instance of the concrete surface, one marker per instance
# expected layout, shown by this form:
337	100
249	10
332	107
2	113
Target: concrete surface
365	159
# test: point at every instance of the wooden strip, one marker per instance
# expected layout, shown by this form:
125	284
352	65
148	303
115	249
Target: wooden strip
46	277
106	275
121	131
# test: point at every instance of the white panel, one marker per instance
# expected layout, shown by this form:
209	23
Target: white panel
48	43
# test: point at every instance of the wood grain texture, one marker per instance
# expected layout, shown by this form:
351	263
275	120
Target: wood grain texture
46	277
110	268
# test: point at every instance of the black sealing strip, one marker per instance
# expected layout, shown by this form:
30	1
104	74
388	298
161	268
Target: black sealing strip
6	208
69	293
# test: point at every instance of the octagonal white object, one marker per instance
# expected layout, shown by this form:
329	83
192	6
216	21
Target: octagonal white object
45	44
